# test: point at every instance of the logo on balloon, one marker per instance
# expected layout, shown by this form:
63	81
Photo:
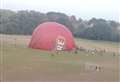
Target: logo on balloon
60	43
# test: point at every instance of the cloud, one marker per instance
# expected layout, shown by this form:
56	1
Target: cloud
98	8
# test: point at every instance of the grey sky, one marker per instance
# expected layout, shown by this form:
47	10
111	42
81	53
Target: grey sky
85	9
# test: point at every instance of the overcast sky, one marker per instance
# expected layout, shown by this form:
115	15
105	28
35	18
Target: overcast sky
85	9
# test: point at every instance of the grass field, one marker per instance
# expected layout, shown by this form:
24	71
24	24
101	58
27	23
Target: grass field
22	64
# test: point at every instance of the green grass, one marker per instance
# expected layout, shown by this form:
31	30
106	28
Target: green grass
108	45
21	63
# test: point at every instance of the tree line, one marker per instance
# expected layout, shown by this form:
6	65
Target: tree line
24	22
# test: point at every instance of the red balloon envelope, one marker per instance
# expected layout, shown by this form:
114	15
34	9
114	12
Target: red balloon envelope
52	36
